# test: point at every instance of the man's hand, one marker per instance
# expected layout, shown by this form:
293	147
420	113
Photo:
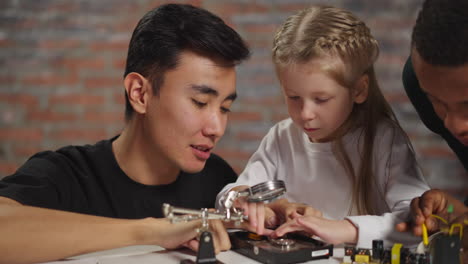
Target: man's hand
331	231
431	202
221	240
174	235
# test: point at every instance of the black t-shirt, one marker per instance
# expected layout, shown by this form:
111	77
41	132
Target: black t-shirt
428	116
87	179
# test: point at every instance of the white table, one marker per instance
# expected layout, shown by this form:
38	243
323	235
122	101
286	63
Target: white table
155	254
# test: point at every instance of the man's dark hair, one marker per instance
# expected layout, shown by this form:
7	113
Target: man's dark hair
440	34
164	32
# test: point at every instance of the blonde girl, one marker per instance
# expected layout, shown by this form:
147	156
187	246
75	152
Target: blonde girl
342	151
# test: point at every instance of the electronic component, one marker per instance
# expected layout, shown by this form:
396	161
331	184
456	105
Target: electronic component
380	255
361	258
262	192
445	249
289	249
377	250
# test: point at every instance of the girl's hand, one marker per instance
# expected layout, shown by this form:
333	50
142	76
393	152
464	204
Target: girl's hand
259	215
285	210
330	231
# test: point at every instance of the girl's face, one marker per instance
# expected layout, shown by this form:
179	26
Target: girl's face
316	102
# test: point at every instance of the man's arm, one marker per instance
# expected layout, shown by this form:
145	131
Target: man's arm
32	234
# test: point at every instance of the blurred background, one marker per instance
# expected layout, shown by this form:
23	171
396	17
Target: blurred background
62	64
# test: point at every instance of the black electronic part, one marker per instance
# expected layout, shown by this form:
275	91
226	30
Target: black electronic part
363	251
386	257
206	252
350	251
445	249
377	249
419	259
405	256
291	249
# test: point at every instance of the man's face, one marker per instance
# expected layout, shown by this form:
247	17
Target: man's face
447	89
189	115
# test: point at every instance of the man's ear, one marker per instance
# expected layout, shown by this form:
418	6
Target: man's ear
138	91
361	90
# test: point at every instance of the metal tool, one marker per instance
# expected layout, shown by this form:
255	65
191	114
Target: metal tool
263	192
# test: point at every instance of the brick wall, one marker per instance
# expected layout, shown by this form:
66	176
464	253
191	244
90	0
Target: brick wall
61	66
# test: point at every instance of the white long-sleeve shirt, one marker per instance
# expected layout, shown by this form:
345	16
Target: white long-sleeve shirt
314	176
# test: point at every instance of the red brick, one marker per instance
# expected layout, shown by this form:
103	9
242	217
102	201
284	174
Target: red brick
436	152
75	134
59	44
155	3
120	98
395	23
95	63
390	59
279	116
64	7
396	97
249	136
77	99
21	99
233	154
21	134
265	43
265	101
261	28
7	79
195	2
230	9
119	64
48	79
125	26
116	46
261	62
101	82
26	151
263	79
288	7
27	23
51	116
5	43
7	168
104	117
245	116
